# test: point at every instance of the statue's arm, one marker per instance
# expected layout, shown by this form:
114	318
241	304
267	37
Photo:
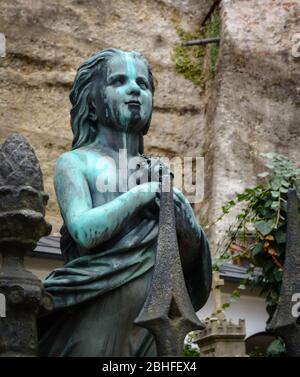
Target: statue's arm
90	226
186	223
187	226
194	251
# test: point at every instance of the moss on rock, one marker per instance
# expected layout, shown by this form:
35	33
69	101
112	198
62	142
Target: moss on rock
198	63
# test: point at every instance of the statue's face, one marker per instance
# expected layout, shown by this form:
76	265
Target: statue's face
126	94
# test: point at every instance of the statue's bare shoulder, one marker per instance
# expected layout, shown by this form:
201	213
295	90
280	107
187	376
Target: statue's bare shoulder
83	160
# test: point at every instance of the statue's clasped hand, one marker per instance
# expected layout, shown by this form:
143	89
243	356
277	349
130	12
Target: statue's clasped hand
151	169
186	223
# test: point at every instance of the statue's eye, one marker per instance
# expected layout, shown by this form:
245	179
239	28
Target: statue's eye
142	84
118	81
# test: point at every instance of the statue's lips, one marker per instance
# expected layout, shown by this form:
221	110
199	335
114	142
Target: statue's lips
133	103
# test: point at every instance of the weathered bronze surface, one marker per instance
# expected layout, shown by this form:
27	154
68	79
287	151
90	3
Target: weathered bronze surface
110	230
284	321
22	224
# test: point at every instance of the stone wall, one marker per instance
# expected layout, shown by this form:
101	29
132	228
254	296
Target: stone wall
257	96
46	42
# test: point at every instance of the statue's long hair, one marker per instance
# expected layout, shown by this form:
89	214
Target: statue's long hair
83	126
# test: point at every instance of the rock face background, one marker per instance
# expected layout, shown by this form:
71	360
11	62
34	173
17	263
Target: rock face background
257	96
47	41
253	105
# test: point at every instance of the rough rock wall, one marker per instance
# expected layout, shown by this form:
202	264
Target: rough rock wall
257	97
46	42
255	106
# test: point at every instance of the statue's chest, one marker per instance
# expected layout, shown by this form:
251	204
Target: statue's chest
108	178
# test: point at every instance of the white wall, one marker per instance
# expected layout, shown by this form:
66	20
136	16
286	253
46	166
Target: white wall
249	306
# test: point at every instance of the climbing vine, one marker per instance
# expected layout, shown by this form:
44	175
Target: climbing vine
259	232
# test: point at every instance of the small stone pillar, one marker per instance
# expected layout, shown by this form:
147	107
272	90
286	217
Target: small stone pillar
22	224
221	337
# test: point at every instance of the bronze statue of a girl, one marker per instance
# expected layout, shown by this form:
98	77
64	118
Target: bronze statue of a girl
109	235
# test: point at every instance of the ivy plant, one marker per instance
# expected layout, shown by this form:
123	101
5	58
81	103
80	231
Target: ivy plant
190	348
260	226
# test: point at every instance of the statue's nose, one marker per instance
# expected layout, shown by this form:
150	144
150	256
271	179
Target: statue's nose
133	88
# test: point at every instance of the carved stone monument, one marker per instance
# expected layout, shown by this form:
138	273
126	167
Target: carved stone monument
22	224
221	337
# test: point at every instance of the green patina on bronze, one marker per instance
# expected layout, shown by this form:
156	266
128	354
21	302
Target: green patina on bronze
109	238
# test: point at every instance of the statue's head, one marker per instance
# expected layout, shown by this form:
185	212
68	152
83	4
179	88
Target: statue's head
113	88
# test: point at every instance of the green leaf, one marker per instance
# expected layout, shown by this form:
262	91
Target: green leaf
275	205
264	227
250	269
277	275
276	348
284	206
263	175
190	351
268	203
225	210
226	305
268	267
235	294
241	197
269	155
276	183
269	166
280	236
275	194
257	249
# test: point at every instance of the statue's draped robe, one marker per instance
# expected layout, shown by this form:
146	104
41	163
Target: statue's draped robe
97	296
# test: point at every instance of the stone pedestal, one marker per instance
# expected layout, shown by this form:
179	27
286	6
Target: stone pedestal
222	338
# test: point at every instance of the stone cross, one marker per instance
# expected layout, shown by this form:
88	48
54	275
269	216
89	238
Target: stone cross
217	283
